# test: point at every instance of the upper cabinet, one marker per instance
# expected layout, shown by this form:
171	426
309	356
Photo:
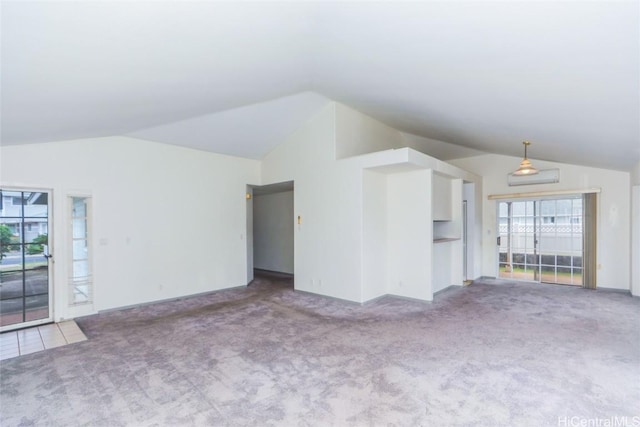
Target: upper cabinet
441	200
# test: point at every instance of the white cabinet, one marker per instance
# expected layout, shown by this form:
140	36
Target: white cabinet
441	198
447	248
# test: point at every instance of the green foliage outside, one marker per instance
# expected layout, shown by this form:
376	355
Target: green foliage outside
5	240
36	244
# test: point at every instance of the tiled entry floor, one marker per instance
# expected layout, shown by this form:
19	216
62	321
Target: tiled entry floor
25	341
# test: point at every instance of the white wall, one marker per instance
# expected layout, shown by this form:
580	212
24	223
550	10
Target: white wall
273	225
441	206
635	230
635	240
329	201
358	134
167	221
410	234
635	175
613	215
340	201
374	235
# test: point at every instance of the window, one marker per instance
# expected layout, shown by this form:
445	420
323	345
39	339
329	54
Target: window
81	282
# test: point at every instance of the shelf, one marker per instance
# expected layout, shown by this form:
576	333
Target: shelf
445	239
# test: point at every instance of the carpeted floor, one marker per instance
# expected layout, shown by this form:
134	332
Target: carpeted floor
493	353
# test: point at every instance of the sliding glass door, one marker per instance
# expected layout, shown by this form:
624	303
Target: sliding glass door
540	240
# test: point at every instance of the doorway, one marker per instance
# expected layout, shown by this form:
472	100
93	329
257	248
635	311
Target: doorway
541	240
25	286
270	228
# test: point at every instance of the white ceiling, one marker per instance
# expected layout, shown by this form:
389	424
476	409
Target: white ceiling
250	131
238	77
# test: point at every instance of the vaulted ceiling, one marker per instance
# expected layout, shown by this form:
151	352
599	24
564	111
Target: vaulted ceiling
237	77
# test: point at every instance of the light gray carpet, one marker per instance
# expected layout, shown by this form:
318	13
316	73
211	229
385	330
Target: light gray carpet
494	353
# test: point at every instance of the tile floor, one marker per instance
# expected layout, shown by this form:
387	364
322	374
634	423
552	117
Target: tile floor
39	338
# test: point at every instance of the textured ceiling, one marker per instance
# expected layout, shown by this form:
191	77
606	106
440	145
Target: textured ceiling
238	77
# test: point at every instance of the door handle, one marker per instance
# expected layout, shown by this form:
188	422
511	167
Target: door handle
498	240
46	253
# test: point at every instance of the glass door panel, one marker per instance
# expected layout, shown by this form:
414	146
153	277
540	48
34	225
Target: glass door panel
541	240
518	255
24	268
81	283
561	241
